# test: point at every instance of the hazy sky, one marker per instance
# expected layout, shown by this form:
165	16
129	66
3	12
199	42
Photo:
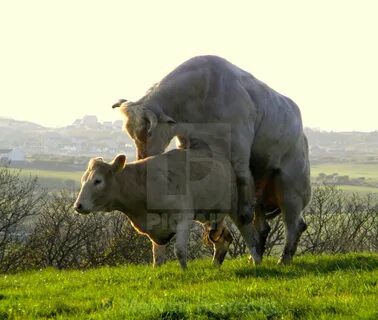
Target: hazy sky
60	60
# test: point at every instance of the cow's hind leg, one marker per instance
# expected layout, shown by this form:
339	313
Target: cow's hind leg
159	254
221	239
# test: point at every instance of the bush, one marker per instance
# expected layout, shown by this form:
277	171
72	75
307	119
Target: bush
338	222
39	229
20	202
63	239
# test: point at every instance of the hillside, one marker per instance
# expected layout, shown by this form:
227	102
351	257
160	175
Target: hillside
342	146
315	287
87	136
82	138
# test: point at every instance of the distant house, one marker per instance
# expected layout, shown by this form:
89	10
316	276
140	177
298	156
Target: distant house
90	121
118	124
10	155
108	124
77	123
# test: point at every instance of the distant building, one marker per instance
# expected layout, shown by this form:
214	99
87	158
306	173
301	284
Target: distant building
77	123
90	121
10	155
118	124
107	124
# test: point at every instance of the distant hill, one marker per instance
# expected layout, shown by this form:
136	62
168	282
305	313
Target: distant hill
87	137
342	146
83	138
16	124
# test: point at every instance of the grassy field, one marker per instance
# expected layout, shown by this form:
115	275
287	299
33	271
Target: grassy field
353	170
55	179
314	287
50	178
359	189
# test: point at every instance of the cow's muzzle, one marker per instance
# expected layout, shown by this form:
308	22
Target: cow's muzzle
79	208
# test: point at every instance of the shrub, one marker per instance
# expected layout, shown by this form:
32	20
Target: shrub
39	229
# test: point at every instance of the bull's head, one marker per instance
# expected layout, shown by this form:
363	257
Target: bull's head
151	131
97	185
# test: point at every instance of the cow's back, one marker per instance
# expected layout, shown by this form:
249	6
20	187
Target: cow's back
206	179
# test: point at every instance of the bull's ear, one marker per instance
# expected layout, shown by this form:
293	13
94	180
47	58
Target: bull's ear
118	163
118	103
152	121
163	118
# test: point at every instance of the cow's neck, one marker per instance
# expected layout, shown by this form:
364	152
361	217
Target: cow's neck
130	188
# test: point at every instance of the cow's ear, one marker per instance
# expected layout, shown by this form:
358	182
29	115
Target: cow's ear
163	118
94	162
118	163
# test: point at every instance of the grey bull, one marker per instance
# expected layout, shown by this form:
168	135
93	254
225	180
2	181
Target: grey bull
163	194
207	101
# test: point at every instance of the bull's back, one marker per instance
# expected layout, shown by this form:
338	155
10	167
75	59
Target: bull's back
210	89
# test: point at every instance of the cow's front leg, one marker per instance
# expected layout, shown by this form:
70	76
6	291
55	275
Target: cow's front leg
182	238
159	254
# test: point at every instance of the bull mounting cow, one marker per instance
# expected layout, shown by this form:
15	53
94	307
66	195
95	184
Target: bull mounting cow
209	102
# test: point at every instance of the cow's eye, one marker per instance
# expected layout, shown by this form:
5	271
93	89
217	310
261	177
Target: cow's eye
97	182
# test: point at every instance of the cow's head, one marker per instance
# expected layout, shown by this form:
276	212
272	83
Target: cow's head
97	183
151	132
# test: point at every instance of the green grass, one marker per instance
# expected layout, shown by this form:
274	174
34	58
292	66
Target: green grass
74	175
314	287
353	170
55	179
360	189
50	178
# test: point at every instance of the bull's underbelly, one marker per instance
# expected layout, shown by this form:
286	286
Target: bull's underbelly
267	193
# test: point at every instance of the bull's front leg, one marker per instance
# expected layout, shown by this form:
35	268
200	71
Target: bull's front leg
182	237
241	143
159	254
246	190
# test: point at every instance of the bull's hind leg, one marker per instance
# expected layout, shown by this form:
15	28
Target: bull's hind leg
262	230
248	232
240	158
294	225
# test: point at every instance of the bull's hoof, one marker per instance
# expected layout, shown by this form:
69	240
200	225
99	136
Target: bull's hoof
254	260
285	260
